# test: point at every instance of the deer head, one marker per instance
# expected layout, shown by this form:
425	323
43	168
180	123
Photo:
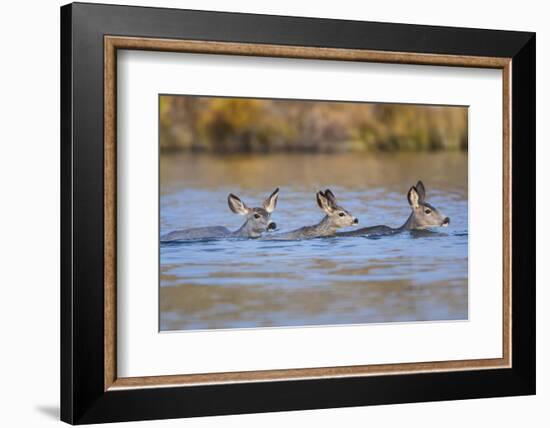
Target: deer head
258	220
423	214
337	217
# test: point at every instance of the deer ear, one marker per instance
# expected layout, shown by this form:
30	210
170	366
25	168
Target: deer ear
320	196
271	202
413	197
323	202
236	205
330	196
421	190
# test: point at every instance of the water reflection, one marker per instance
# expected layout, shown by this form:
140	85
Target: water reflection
412	276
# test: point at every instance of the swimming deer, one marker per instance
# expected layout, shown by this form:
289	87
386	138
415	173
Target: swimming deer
258	221
423	216
336	217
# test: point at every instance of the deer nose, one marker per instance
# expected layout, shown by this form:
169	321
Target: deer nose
446	221
272	226
355	221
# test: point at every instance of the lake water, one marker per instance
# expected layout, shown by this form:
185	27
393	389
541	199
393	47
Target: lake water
220	284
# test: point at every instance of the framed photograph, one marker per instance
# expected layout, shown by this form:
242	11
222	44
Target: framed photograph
265	213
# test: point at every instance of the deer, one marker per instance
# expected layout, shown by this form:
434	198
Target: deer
335	218
423	216
258	220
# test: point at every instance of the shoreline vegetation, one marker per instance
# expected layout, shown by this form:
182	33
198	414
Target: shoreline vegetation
197	124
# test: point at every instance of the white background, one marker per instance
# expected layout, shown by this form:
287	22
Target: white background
144	352
29	214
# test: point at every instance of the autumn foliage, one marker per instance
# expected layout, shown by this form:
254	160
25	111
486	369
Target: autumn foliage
240	125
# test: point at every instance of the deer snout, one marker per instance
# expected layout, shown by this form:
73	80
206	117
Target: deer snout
355	220
446	222
272	226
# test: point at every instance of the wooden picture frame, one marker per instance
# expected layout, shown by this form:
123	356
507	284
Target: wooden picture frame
91	390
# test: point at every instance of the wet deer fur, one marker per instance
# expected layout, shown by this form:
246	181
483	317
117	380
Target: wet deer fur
258	220
423	216
335	218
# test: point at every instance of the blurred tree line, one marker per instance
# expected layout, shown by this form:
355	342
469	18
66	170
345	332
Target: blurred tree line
238	125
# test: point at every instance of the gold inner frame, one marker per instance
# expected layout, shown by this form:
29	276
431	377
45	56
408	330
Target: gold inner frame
113	43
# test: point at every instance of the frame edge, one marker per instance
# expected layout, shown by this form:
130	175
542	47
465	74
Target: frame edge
66	306
524	218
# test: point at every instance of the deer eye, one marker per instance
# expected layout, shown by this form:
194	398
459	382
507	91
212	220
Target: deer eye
256	216
427	211
341	214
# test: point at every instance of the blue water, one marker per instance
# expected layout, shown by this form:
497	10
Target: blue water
245	283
